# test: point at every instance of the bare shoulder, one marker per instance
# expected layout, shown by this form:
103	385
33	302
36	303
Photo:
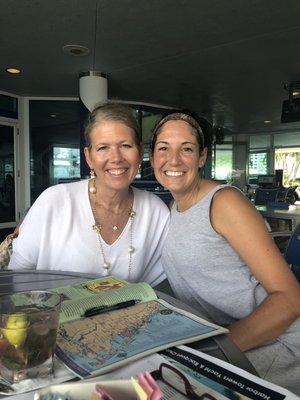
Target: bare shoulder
230	206
232	199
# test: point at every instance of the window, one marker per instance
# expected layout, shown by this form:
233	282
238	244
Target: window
149	116
288	159
66	164
7	174
287	139
259	142
258	164
222	162
8	106
54	143
259	156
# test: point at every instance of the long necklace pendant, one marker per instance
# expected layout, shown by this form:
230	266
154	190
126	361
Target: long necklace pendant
130	249
106	266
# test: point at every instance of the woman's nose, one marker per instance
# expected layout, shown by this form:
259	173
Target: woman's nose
116	154
174	158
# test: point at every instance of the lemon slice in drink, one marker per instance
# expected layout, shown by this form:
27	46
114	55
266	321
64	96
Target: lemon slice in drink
16	329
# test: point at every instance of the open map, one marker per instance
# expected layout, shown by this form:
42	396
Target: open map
95	345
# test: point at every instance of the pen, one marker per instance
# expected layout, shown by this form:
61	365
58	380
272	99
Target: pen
103	309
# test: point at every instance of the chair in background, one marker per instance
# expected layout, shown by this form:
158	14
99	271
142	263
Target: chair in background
154	187
264	196
292	252
287	194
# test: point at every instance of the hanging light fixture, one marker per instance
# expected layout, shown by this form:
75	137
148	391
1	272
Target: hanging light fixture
93	84
92	88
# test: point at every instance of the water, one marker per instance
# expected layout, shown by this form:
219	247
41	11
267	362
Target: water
27	341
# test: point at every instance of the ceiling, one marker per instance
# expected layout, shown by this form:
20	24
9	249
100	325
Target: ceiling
227	60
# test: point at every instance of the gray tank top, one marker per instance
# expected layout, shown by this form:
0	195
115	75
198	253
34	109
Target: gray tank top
203	268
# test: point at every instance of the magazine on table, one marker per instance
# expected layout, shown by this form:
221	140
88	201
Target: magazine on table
79	298
209	377
93	345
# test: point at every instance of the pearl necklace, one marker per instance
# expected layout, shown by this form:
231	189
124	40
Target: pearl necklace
97	228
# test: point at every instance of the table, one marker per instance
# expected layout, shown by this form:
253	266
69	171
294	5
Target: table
292	214
16	281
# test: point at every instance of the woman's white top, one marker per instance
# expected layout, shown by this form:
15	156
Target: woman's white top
57	234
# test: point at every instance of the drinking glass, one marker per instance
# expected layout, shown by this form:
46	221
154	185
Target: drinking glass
28	328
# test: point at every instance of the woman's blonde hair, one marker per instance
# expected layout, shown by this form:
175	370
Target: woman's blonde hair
111	112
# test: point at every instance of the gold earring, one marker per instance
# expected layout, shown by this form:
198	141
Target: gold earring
92	174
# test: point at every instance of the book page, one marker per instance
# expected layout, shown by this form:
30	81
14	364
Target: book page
100	292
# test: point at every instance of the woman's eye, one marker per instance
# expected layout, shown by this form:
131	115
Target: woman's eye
161	148
126	146
102	148
187	150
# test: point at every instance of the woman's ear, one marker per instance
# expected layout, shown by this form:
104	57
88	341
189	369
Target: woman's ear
202	157
151	160
141	151
86	151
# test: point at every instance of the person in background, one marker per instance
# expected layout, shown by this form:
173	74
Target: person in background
218	254
101	225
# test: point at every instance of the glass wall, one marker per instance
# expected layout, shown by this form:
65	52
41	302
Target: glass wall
8	106
278	151
222	161
54	143
149	116
258	163
7	174
288	159
66	164
259	157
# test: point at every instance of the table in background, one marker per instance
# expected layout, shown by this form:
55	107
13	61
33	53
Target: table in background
292	214
15	281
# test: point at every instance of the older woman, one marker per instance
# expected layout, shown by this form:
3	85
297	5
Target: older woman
218	254
102	225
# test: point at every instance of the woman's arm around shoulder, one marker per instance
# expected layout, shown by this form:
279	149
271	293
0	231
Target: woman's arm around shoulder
236	219
39	217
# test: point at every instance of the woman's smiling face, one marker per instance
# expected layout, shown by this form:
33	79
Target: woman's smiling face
114	155
176	157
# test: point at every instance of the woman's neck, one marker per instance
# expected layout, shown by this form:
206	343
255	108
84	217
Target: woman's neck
112	200
194	194
186	200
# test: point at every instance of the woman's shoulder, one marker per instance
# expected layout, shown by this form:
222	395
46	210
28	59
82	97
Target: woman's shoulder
62	188
60	192
229	193
230	202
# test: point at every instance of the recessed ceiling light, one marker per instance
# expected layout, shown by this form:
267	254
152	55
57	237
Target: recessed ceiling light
75	50
267	121
13	70
53	115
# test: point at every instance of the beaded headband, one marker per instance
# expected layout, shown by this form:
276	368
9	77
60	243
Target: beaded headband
175	117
